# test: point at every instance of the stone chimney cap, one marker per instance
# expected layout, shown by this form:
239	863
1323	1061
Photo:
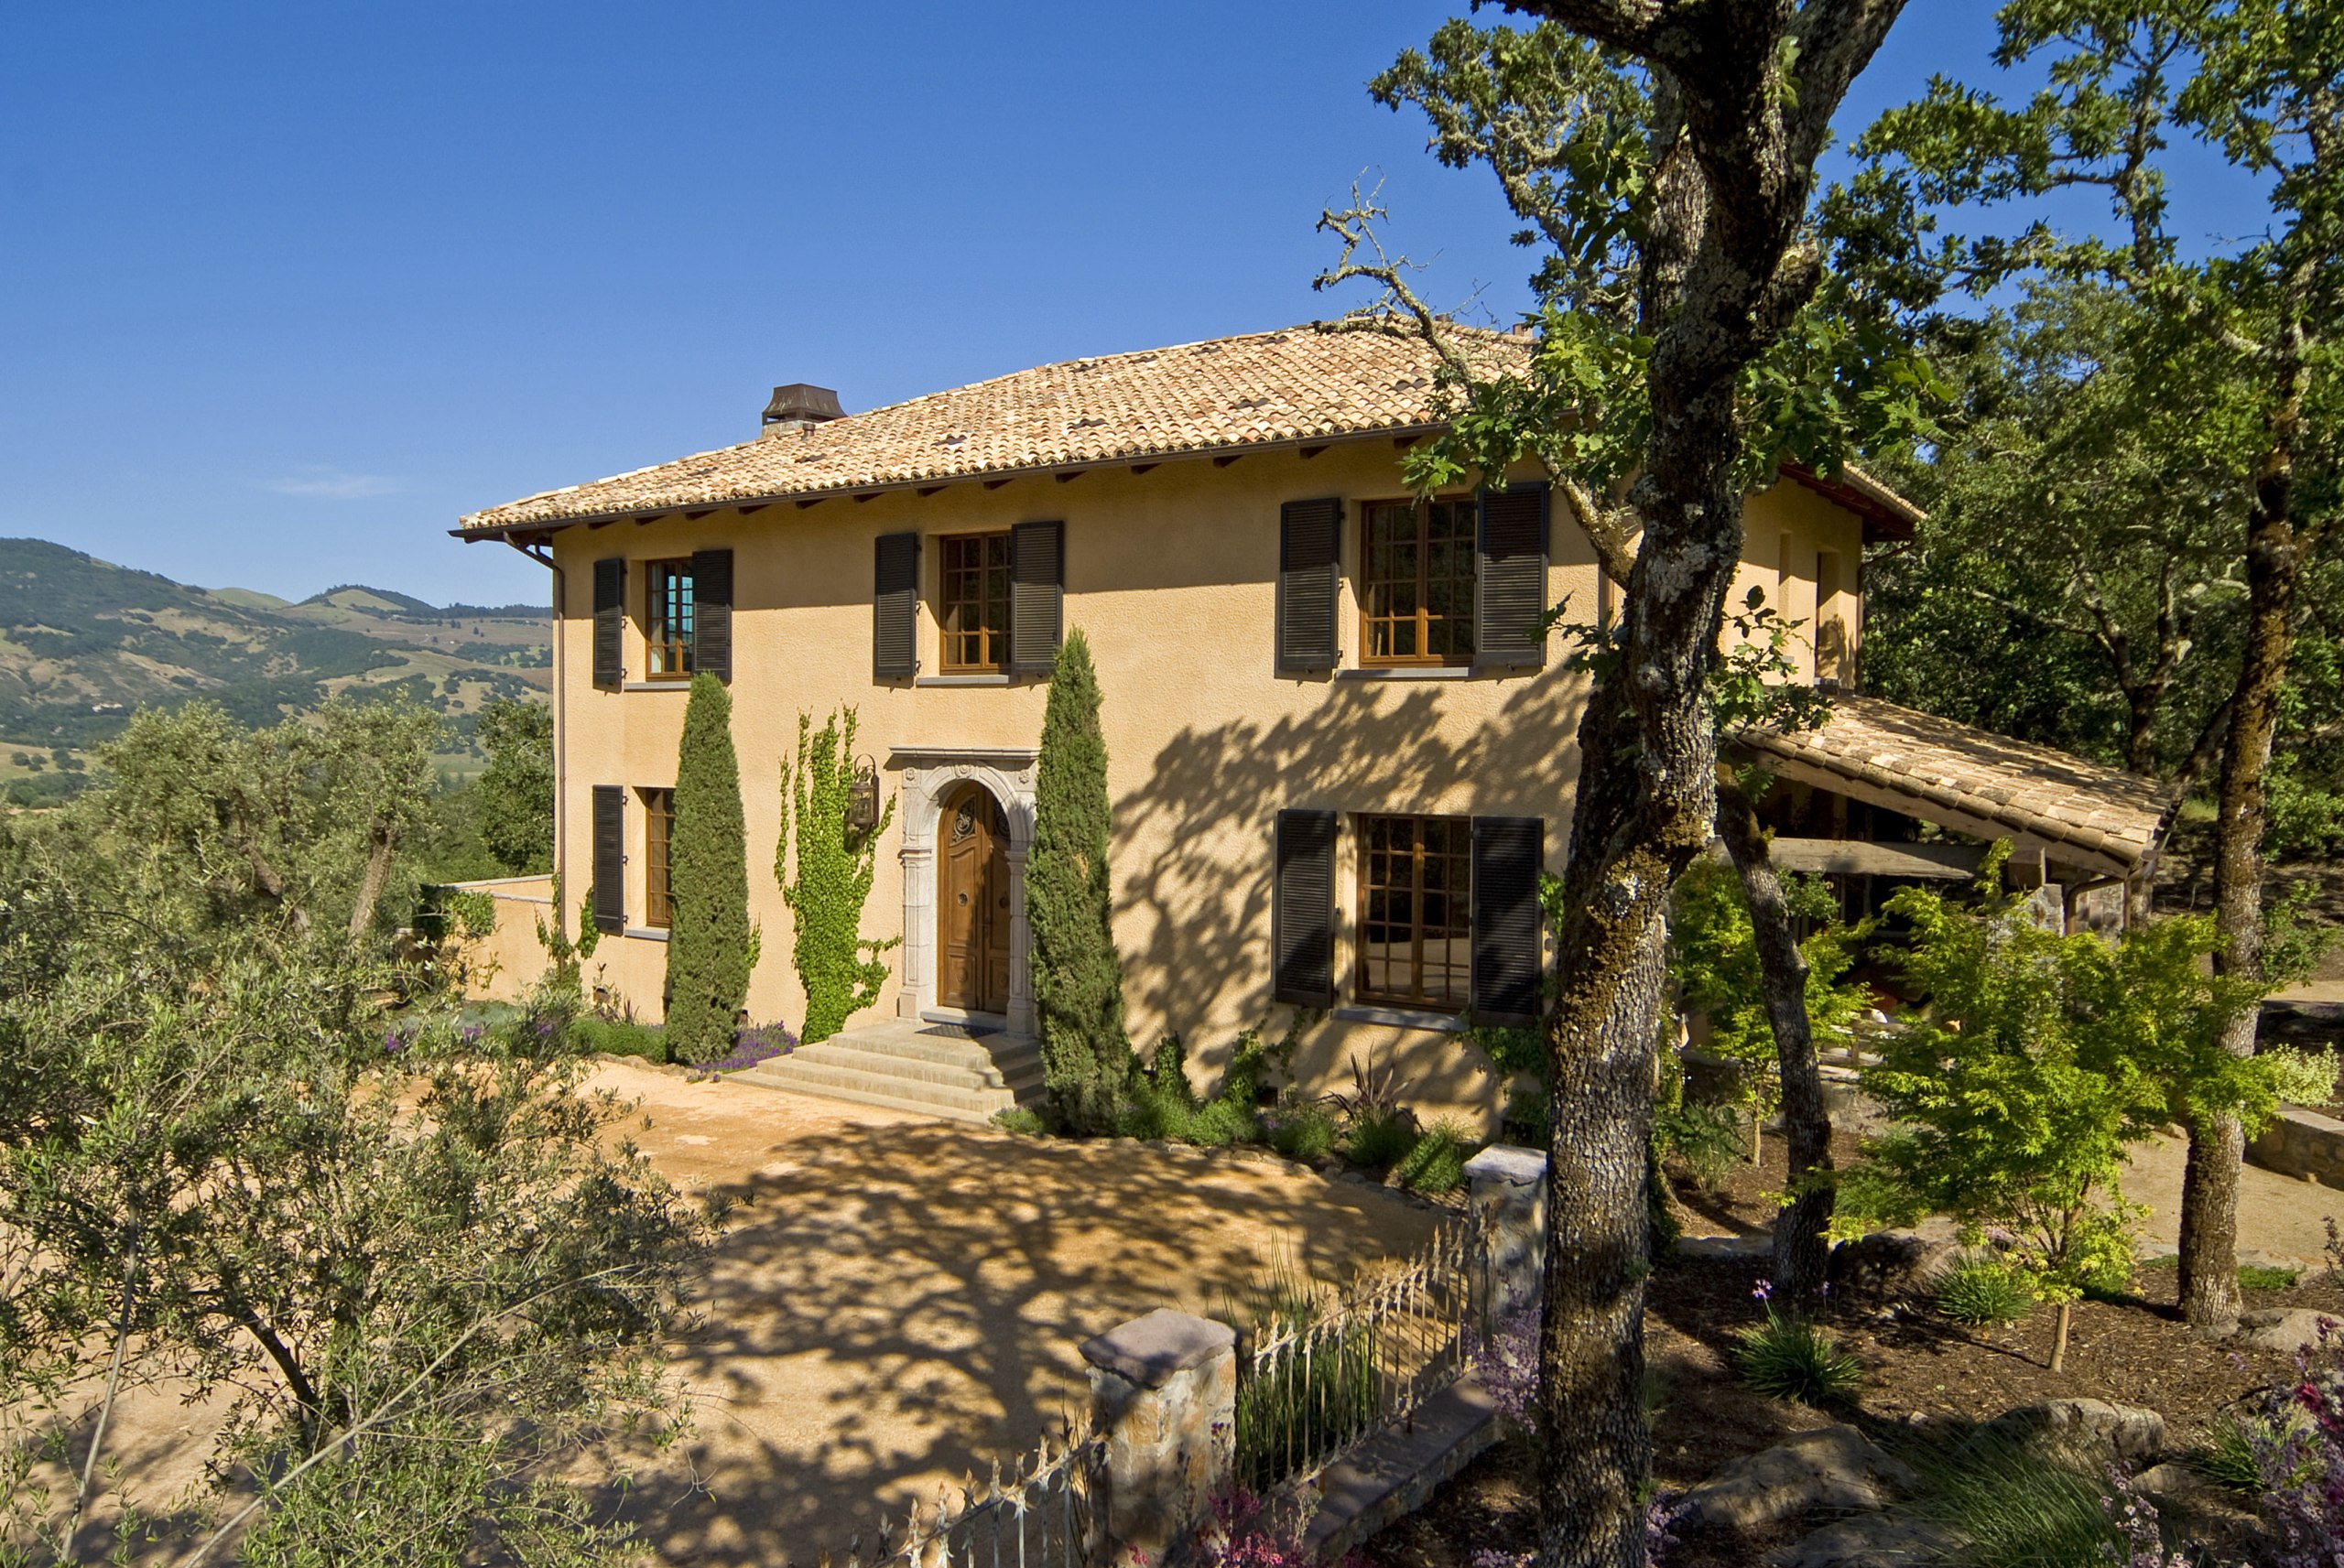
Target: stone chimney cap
801	404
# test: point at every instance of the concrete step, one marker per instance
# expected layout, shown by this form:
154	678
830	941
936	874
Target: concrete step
982	1073
1004	1051
799	1072
767	1078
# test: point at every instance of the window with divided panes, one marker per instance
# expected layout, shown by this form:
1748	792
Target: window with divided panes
667	621
973	604
1416	581
658	838
1416	946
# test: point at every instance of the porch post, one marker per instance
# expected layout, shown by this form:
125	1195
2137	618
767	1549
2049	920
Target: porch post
1021	949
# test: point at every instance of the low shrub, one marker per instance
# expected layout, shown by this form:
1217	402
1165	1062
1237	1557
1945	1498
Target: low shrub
1706	1137
1380	1139
2227	1454
1999	1504
1301	1130
1161	1104
759	1043
1984	1292
617	1037
1788	1357
1436	1163
2266	1277
1020	1120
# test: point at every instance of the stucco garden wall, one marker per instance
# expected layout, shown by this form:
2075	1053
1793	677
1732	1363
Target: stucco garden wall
1171	574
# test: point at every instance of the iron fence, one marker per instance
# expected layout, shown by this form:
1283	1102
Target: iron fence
1323	1371
1043	1516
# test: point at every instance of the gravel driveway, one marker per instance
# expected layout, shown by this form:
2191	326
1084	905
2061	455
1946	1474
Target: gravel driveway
896	1301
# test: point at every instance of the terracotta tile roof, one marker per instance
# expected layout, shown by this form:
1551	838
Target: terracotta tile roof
2097	816
1300	385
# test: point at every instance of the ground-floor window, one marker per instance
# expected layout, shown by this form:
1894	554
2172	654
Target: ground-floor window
1416	910
658	834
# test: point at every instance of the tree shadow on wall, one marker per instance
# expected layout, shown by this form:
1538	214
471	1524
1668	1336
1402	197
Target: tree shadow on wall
1198	828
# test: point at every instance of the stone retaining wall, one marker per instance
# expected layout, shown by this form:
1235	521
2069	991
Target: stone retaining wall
2301	1143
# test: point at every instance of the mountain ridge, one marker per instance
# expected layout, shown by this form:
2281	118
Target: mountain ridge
84	642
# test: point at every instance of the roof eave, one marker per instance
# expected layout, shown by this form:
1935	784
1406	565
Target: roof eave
550	525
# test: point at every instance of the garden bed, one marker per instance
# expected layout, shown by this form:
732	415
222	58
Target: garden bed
1924	1376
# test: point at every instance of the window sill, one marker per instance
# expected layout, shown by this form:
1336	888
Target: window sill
1406	672
1400	1017
646	933
988	677
655	686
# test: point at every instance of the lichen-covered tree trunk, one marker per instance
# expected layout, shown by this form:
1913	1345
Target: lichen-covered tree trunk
1801	1256
1746	89
2208	1239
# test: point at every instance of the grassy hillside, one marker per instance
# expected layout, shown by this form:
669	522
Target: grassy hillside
83	643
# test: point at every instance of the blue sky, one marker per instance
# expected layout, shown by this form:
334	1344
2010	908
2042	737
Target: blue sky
288	288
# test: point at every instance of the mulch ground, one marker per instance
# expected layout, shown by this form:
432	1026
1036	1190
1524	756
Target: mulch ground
1925	1376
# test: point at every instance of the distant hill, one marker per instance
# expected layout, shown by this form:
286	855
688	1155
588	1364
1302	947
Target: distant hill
83	642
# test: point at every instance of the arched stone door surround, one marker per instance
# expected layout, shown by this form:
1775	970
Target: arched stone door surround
930	775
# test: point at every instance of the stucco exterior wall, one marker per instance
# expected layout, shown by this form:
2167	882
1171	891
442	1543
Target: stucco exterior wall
1172	575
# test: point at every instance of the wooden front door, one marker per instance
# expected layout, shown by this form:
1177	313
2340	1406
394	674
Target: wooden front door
973	898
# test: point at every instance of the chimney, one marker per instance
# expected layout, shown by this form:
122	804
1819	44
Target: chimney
797	406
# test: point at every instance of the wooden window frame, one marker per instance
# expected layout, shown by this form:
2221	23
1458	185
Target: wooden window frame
658	857
664	642
1424	619
1457	994
992	644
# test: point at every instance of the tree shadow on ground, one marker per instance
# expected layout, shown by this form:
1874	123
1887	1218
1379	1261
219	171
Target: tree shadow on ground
892	1307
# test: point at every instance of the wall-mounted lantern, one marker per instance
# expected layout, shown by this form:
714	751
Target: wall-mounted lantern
862	797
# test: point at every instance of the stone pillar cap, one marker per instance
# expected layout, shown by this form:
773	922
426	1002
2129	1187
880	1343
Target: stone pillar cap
1505	1162
1148	1350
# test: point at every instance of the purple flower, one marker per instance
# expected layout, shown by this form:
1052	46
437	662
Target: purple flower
1764	1291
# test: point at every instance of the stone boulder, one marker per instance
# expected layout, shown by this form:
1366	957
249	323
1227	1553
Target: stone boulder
1834	1467
2129	1433
1867	1540
2176	1487
2288	1329
1892	1263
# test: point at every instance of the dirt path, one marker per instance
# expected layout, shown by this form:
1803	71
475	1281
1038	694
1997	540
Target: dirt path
896	1301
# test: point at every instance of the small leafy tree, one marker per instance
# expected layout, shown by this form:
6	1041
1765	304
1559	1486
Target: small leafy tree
2037	1059
711	947
1077	976
840	969
517	787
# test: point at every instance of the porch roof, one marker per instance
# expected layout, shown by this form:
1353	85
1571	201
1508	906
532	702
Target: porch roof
1975	781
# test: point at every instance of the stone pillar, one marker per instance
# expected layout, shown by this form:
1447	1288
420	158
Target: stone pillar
913	985
1508	1200
1021	949
1164	1391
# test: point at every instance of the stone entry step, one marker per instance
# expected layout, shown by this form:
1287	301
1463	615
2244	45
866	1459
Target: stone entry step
903	1065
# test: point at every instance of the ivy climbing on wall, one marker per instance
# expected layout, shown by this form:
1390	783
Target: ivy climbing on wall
841	970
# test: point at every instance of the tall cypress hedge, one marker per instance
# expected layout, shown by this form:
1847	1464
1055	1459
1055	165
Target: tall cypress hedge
1078	977
712	948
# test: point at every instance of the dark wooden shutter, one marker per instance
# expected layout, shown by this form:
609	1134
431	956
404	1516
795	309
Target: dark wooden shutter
895	608
1509	575
1310	549
610	623
1302	915
610	857
712	613
1037	596
1508	959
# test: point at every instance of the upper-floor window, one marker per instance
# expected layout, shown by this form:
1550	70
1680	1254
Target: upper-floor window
1416	581
973	604
658	838
667	621
1415	935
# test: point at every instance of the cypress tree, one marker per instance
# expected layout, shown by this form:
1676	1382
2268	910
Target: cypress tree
1078	977
712	948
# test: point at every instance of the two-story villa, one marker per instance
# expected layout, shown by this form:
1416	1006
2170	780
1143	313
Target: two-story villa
1340	749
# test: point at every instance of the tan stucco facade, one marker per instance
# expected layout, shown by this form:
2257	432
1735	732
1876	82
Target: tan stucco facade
1171	573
